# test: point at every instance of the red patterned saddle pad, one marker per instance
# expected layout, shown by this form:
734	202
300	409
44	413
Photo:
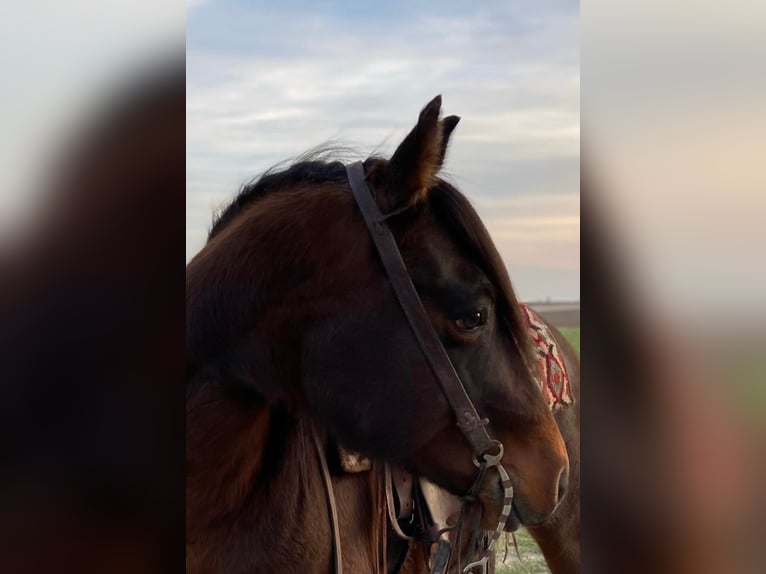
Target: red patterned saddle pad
554	379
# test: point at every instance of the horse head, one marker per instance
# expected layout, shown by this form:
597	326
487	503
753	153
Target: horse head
289	303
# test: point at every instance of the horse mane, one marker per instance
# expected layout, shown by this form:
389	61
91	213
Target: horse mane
321	165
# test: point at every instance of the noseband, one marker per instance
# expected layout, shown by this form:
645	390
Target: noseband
487	452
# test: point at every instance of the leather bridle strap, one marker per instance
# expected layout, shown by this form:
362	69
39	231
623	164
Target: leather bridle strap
468	420
335	526
390	487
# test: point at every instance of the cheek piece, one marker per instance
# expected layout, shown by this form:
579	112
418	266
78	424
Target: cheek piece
487	452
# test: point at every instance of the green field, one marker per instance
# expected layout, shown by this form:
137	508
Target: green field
531	560
573	336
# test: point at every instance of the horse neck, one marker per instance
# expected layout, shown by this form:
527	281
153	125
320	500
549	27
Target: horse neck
250	497
256	500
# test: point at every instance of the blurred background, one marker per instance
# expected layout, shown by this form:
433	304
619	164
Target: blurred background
91	286
674	194
60	62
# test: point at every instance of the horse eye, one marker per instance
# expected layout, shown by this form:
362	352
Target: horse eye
472	321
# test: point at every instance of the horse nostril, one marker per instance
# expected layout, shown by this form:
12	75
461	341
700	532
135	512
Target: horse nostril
563	484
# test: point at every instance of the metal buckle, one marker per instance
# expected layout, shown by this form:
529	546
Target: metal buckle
491	459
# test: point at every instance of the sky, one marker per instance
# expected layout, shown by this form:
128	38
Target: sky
267	81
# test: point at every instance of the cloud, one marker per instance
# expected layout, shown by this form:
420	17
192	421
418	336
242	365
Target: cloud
266	84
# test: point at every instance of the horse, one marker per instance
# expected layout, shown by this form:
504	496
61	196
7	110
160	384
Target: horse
297	342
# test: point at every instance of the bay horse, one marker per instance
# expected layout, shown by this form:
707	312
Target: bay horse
296	339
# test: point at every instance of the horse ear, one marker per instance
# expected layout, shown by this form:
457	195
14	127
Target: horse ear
413	167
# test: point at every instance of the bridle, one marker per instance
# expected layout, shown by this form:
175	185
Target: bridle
487	452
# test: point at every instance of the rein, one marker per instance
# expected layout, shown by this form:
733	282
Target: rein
487	452
333	507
